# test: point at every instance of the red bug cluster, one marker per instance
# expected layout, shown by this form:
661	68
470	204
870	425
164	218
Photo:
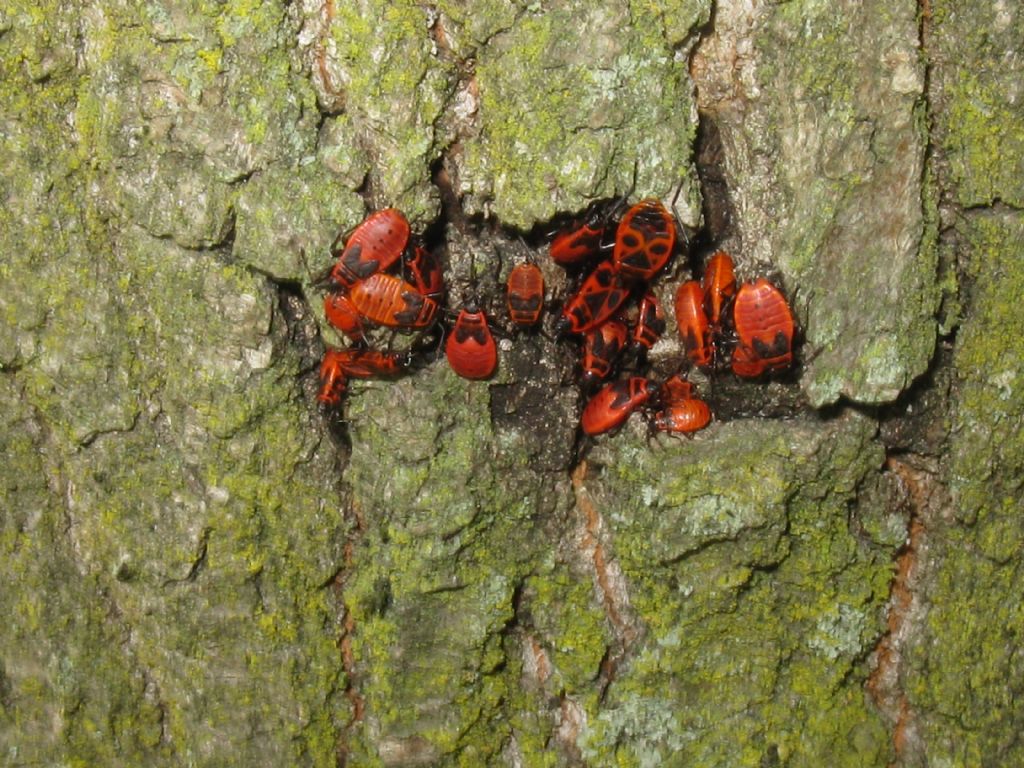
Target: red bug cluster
618	316
382	277
470	349
754	323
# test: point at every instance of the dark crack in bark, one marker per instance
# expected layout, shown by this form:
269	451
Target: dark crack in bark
918	490
356	701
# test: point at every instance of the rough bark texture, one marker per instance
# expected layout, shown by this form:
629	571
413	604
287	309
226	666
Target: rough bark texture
200	568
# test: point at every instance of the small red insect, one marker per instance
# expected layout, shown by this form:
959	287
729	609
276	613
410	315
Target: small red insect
340	364
525	294
583	240
644	240
470	348
601	348
600	296
683	417
764	330
388	300
674	390
693	323
424	272
650	323
373	246
333	380
365	363
719	286
342	315
614	403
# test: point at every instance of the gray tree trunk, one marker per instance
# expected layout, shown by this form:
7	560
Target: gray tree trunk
199	567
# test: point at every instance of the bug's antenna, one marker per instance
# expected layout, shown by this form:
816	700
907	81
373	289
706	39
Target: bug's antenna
632	186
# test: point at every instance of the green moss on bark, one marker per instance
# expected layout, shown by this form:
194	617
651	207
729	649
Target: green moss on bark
561	90
964	663
831	124
172	532
757	601
191	521
962	668
978	124
394	106
445	549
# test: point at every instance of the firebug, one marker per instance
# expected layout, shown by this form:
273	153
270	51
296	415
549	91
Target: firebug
470	348
601	348
675	389
764	328
682	417
582	240
719	286
525	294
373	246
693	323
342	315
644	240
650	323
333	381
388	300
597	299
423	271
364	363
614	403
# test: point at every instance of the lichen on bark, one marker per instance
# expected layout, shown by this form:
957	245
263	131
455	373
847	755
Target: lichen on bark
201	568
962	661
754	600
168	599
820	110
562	91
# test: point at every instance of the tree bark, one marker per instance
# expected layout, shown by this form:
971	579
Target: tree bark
201	567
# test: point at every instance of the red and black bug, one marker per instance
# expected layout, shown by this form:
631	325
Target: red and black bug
423	271
373	246
764	328
650	323
693	323
682	417
333	381
644	240
365	363
388	300
525	294
674	389
339	365
340	313
719	286
597	299
470	348
601	348
583	239
614	403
